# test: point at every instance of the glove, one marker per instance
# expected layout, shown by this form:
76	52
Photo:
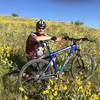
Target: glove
54	38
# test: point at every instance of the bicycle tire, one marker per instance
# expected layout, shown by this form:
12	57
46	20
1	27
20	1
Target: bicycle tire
33	75
79	67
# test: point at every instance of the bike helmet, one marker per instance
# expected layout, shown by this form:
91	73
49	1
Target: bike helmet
40	24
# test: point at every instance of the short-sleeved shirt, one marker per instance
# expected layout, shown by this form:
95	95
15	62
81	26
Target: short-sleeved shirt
32	45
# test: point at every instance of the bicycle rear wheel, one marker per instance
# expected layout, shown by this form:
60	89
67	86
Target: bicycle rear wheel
29	76
82	66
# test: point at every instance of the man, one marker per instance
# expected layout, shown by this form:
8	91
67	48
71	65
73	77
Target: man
33	46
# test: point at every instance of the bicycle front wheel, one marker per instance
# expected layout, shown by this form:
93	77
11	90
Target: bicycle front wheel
29	76
82	66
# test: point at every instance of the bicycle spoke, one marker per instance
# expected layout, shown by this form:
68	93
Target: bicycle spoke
30	74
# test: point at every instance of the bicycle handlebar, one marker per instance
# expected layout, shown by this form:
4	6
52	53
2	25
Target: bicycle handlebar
75	39
66	37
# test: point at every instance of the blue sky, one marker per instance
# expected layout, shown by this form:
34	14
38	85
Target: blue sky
87	11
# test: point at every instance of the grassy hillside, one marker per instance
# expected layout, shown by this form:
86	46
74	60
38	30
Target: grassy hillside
14	32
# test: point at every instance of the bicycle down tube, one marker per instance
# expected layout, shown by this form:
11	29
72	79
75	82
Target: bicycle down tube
53	54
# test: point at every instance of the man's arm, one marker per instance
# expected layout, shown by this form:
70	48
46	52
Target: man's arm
42	38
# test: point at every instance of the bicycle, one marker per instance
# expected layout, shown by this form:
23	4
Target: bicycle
36	71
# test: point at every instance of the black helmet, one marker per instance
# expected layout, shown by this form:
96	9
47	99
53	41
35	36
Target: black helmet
41	24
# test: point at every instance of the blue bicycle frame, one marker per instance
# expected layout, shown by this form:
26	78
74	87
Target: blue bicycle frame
53	54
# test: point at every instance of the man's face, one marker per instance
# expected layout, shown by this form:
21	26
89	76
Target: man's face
40	31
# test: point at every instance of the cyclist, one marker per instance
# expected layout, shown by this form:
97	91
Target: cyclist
34	47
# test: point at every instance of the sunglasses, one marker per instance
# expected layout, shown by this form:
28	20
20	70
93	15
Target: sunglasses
41	28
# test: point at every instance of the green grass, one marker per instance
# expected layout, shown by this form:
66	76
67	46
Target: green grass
14	32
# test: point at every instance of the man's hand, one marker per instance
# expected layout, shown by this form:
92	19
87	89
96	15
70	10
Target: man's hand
56	38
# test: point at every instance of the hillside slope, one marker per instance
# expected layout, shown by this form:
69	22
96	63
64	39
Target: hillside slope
13	34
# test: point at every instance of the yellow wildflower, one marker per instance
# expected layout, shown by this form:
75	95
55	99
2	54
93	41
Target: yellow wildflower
1	50
64	87
46	91
51	97
55	87
55	93
21	89
51	82
94	97
61	76
78	82
88	92
89	83
4	62
26	97
48	87
81	89
8	55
